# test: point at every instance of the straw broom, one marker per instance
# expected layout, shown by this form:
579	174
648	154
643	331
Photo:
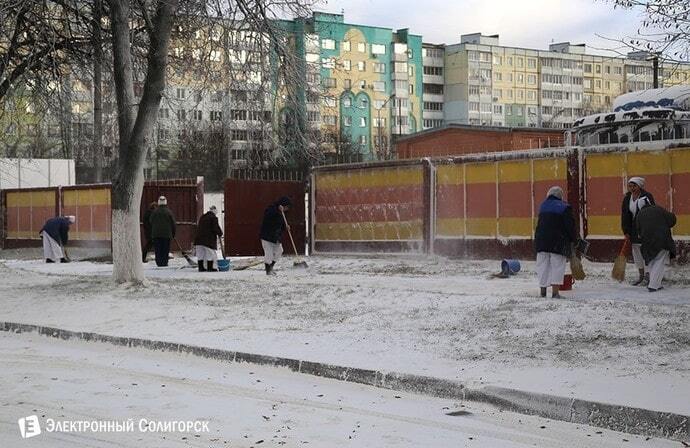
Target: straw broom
618	272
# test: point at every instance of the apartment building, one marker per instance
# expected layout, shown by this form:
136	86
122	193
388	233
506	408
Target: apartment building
433	85
364	83
493	85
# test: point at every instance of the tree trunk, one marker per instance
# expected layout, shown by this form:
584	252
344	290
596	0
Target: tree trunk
134	131
97	94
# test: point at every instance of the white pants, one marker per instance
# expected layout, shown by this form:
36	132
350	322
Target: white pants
637	256
51	249
657	267
272	251
204	253
550	269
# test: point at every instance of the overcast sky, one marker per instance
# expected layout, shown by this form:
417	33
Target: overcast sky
520	23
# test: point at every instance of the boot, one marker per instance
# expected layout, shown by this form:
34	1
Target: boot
201	266
554	292
209	266
640	280
48	260
64	260
269	269
542	292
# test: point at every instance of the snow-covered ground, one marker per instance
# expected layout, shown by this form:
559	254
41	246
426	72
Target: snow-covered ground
603	341
244	405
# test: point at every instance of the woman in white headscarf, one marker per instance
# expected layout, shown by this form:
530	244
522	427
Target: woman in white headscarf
632	202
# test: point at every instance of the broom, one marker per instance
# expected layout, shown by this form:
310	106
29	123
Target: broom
618	272
298	263
576	265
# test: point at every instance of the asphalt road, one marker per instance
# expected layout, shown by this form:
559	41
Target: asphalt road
242	405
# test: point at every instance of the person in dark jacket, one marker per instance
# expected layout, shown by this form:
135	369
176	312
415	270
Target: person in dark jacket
207	233
148	241
653	225
162	231
629	210
55	234
272	228
553	240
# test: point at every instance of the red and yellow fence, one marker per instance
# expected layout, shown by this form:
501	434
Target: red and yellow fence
27	211
667	176
488	205
369	205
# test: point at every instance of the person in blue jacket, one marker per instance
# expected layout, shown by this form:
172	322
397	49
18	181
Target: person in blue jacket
553	240
55	234
272	228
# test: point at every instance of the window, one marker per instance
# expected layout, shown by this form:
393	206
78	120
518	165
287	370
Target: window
531	63
498	76
347	64
328	62
607	69
433	106
588	68
347	101
379	67
498	109
474	106
347	121
485	108
346	45
329	82
361	47
379	122
434	71
238	115
197	114
163	135
347	83
520	62
474	90
329	101
531	79
217	96
239	95
312	97
328	44
181	114
473	55
215	55
498	60
510	94
400	67
400	84
587	83
181	94
510	60
520	78
521	94
239	134
617	70
330	120
216	115
362	139
379	86
597	69
400	48
163	113
436	89
531	95
411	89
313	116
361	66
378	49
410	71
597	83
362	122
312	57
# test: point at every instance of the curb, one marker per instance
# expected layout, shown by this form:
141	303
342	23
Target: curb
614	417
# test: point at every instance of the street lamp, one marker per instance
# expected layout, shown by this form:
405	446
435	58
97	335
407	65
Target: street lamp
378	120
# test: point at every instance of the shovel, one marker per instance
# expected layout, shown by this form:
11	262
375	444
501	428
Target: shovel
618	272
298	263
184	254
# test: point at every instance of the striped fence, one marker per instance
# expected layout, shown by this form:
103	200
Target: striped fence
486	206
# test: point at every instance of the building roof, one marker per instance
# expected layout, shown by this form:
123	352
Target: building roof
471	127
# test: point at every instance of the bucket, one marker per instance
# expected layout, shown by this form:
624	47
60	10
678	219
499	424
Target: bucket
510	266
567	283
223	265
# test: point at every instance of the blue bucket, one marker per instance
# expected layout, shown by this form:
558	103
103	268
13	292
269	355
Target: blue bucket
224	265
510	266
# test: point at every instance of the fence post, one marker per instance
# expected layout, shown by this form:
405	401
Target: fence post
429	201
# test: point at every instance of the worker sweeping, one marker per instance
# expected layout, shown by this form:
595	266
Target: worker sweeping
653	225
207	233
55	233
162	231
272	228
629	210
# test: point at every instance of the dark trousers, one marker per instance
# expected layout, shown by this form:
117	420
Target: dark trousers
161	247
146	248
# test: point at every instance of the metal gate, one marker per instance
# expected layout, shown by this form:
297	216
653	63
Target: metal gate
245	202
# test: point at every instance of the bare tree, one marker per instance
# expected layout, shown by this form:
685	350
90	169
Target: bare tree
665	28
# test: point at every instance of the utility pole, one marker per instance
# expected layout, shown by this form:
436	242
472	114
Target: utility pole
655	65
97	93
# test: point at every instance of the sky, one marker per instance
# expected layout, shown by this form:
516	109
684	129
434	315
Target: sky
520	23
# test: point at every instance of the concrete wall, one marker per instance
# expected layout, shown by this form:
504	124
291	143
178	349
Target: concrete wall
35	173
